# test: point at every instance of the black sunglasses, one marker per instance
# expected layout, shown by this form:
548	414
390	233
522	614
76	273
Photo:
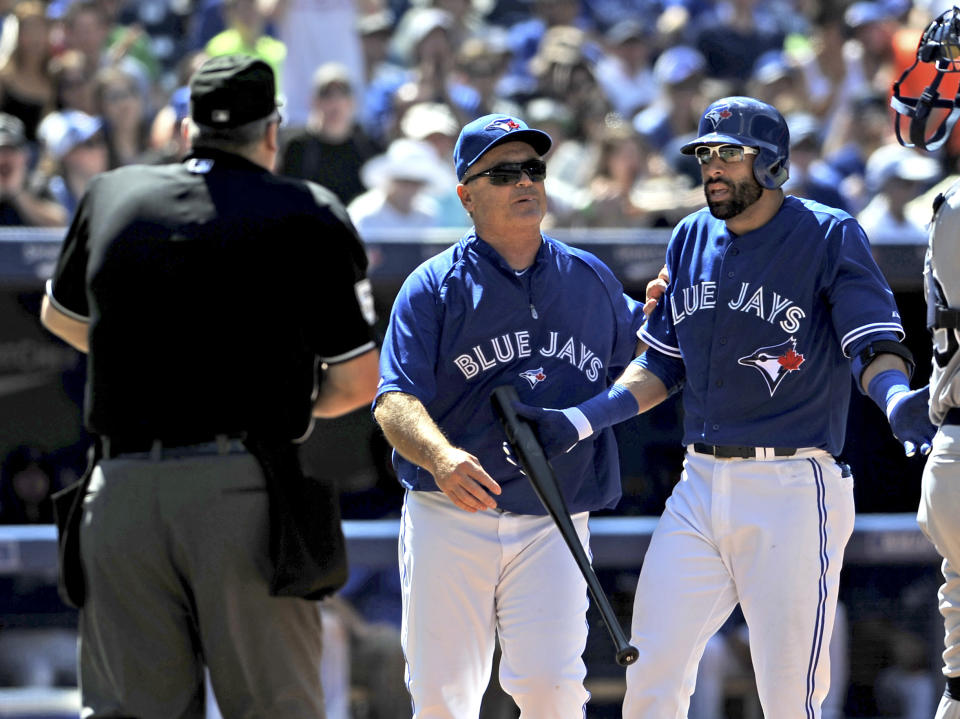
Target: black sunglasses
510	173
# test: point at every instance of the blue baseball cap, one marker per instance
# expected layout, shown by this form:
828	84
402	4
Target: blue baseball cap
678	64
485	133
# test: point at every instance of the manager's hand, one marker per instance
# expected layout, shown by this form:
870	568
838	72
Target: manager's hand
461	477
556	433
655	290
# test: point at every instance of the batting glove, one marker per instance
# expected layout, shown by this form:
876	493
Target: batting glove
909	417
556	432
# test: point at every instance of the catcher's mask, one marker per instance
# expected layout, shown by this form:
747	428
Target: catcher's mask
940	46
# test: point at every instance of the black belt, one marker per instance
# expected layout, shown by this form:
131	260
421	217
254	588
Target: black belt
733	452
113	446
952	416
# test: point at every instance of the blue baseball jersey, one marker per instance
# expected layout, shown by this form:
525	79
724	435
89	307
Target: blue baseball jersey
759	327
464	323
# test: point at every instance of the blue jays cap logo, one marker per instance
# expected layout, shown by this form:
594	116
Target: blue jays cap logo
718	115
774	362
534	376
507	124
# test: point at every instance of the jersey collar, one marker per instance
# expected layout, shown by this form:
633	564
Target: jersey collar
222	159
484	248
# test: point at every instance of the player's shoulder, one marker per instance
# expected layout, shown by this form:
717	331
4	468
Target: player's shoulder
699	222
803	210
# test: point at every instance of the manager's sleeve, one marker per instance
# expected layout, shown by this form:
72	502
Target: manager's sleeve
408	358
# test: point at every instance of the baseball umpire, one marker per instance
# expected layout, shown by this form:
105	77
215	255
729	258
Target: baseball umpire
939	511
771	300
206	294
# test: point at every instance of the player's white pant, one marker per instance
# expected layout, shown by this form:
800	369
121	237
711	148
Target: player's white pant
466	577
769	534
939	518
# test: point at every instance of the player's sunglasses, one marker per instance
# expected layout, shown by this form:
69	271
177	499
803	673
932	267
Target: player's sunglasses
727	153
510	173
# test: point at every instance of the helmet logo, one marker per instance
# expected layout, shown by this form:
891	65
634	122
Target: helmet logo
718	115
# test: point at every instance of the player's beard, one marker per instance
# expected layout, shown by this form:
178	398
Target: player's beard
742	195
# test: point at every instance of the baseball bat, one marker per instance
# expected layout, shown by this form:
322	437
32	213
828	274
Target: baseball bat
528	450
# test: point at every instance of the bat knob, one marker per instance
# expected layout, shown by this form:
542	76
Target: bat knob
627	656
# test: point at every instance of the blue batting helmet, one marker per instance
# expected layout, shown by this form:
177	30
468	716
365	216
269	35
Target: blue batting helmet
749	122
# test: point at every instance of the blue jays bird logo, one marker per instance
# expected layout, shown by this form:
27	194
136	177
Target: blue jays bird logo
504	123
718	115
534	376
774	362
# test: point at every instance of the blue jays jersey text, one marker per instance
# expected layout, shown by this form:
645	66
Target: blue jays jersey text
764	322
464	323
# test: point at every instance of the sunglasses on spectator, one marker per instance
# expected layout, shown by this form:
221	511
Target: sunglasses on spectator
727	153
509	173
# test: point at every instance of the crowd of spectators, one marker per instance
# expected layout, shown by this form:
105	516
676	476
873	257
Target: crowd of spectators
376	90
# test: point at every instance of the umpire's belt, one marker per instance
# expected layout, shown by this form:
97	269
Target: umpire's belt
115	446
952	416
734	452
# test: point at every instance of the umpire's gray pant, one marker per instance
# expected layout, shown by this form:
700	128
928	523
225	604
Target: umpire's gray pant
175	553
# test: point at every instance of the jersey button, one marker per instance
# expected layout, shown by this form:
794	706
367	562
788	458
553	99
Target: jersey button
719	383
731	273
734	251
716	426
723	340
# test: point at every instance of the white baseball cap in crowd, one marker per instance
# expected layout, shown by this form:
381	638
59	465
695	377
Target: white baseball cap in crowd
429	118
893	161
62	131
406	159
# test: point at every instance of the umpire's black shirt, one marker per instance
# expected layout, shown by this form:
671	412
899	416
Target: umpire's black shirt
211	288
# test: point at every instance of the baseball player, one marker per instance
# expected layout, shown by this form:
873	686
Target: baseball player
939	512
479	556
771	301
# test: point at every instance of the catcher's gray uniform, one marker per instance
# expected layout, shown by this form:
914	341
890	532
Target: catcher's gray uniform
939	513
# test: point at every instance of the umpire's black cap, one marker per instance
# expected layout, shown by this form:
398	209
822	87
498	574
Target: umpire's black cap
232	90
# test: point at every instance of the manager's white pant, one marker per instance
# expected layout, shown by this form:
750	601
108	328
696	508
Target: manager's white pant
467	577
